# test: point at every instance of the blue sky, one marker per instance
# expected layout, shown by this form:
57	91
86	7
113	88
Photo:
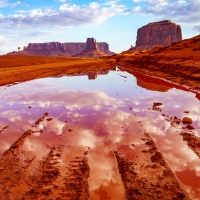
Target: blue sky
112	21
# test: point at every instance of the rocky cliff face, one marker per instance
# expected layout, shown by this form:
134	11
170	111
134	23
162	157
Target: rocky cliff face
91	44
91	50
104	47
162	33
73	48
56	46
59	49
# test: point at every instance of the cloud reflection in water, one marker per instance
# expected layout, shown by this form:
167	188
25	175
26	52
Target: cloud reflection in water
100	121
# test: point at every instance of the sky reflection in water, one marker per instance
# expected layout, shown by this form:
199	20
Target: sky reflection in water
101	115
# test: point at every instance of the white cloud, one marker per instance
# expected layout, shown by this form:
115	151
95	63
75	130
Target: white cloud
66	15
38	33
6	3
61	1
111	2
2	38
136	9
181	11
2	18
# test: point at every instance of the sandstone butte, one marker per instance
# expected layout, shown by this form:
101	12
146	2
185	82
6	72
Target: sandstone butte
162	33
91	50
58	49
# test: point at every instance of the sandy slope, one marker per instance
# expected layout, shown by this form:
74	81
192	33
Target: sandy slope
23	68
179	63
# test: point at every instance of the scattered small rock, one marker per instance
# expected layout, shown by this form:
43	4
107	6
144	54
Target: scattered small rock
156	106
190	127
187	120
4	128
46	114
1	168
174	121
86	153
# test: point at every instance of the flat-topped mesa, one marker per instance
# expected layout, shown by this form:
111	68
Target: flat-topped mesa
61	49
56	46
91	44
162	33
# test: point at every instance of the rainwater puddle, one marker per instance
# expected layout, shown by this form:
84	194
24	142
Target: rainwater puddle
92	115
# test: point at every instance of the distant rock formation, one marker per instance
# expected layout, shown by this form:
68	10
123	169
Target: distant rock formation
162	33
91	50
58	49
92	75
91	44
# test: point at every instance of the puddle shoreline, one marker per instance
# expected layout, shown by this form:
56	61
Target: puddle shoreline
176	85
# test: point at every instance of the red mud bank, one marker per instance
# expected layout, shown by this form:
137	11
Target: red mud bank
24	177
179	63
150	179
193	142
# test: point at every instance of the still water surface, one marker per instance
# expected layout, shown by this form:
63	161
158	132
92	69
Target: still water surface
101	112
